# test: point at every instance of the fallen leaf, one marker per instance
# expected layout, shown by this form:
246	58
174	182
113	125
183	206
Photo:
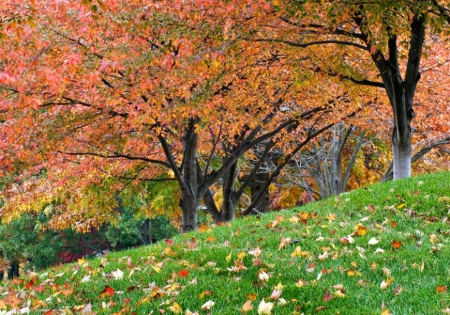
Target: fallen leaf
373	241
29	285
276	294
444	199
263	276
107	291
247	307
183	273
208	305
385	283
265	308
442	289
396	244
175	308
361	230
118	274
327	298
379	251
284	242
251	296
87	309
398	289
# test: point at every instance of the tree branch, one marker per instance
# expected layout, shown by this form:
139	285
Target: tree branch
304	45
117	156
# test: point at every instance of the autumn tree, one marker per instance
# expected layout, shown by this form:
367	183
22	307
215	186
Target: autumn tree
378	44
99	98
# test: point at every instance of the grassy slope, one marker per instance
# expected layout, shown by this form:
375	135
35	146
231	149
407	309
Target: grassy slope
319	271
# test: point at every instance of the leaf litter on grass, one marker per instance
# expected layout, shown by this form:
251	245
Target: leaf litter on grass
372	251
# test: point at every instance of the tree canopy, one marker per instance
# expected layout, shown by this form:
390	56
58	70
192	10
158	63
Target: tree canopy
100	97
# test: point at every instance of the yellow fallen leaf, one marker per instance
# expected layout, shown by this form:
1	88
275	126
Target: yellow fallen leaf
284	242
444	199
176	308
361	230
385	283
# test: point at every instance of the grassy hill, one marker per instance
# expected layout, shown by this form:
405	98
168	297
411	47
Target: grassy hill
383	249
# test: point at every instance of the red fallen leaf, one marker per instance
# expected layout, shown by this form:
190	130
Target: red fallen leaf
29	285
126	300
394	224
49	312
169	242
183	273
107	291
219	223
396	244
39	289
67	290
327	297
442	289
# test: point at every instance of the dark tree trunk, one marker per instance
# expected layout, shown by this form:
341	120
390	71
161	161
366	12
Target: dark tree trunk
260	190
190	186
228	211
13	271
189	209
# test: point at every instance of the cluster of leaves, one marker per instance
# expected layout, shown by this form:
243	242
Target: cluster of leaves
372	251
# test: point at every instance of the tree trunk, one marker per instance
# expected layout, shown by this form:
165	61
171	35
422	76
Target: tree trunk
13	271
401	159
190	185
256	186
189	211
228	211
400	90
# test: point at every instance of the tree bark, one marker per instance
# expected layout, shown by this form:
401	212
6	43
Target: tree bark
189	211
401	159
260	193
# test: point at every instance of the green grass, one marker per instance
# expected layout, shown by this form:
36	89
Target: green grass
320	270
